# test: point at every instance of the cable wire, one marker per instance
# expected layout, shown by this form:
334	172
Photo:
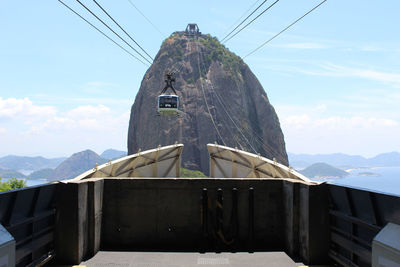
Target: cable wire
105	35
260	141
230	27
201	59
113	31
130	37
237	127
252	20
154	26
204	96
246	130
276	35
244	20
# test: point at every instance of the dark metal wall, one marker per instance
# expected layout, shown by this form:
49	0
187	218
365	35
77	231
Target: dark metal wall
356	216
29	215
196	215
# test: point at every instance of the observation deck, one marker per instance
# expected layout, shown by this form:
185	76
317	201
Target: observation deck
251	210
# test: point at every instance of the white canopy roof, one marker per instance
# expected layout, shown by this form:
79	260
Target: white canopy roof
227	162
159	162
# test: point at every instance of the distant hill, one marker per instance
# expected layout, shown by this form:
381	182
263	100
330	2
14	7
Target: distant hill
386	159
77	164
113	154
340	160
42	174
5	173
56	168
28	163
320	170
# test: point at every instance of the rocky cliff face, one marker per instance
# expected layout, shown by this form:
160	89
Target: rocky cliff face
221	101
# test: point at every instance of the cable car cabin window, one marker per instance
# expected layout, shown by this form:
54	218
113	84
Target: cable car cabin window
168	103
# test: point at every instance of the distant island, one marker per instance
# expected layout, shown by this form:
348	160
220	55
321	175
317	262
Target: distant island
344	161
323	171
369	174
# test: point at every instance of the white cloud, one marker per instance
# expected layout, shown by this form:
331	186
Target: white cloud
311	133
344	71
88	111
82	118
16	108
58	132
321	108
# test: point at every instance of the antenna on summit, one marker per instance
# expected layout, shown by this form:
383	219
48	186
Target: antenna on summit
192	30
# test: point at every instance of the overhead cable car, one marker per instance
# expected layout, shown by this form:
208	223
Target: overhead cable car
168	104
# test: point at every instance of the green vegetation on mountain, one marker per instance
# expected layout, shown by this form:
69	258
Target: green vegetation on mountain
323	170
219	52
186	173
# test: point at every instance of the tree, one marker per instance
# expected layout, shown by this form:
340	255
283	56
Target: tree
12	184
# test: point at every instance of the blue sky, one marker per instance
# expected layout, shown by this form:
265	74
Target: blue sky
333	78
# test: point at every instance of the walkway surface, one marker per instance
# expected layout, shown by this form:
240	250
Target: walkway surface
156	259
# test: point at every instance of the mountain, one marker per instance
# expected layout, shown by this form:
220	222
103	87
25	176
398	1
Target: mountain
340	160
42	174
386	159
221	101
6	173
113	154
320	170
28	163
77	164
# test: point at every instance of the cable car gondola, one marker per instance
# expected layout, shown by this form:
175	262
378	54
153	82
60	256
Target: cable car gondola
168	104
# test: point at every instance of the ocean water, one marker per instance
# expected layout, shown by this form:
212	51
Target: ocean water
387	182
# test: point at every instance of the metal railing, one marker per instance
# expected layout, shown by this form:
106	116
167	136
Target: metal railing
29	216
356	216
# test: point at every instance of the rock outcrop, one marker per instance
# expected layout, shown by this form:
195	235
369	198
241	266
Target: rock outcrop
221	101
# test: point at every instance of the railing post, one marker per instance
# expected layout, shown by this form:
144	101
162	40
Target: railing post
234	219
204	219
219	219
251	220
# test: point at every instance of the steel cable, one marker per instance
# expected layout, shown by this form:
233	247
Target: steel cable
141	13
105	35
230	27
252	20
130	37
244	20
204	96
276	35
91	12
237	127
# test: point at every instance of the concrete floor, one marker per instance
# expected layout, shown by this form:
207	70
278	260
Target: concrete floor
156	259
